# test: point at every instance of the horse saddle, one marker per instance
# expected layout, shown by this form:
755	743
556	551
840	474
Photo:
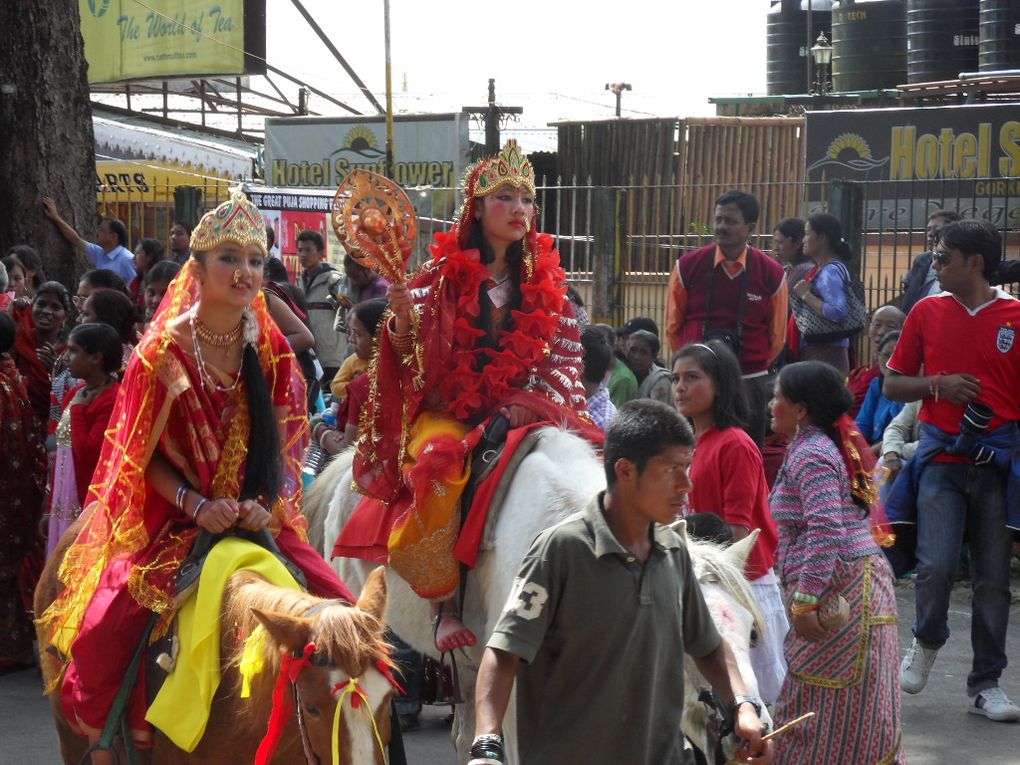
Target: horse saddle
161	654
191	569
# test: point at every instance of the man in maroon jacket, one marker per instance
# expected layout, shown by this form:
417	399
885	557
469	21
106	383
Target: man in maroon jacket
733	292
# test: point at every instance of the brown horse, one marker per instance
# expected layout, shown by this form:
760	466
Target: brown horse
349	644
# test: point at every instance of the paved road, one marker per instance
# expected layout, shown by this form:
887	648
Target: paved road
937	729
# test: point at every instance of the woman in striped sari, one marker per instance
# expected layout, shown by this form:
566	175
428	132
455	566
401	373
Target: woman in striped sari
825	507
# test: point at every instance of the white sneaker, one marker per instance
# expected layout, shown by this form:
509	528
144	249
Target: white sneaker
915	667
994	704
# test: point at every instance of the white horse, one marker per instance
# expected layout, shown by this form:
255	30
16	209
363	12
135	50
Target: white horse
558	478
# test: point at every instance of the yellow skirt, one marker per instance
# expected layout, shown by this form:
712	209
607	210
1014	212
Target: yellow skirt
422	540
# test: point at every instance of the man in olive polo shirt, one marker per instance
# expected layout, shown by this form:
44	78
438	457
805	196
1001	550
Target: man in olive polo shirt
603	608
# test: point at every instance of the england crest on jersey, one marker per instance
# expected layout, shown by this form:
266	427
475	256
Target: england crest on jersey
1004	340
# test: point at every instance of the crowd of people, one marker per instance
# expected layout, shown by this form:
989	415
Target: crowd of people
198	387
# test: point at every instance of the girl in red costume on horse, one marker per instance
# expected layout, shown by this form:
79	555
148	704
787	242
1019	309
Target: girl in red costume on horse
483	329
207	433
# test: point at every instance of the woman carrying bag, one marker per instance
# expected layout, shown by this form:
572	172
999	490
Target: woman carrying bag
828	305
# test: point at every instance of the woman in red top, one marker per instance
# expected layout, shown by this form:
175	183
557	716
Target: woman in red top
728	479
94	354
39	342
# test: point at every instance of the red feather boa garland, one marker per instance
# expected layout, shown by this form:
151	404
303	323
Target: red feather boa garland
471	394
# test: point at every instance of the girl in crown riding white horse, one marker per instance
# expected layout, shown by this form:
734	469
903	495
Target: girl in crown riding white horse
483	329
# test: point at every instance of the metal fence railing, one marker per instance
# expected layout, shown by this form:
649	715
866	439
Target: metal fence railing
618	243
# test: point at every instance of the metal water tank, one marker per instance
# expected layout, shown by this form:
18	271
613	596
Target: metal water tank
999	30
869	45
942	39
787	46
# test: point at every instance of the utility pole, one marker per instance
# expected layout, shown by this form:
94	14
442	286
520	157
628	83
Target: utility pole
389	95
618	88
490	115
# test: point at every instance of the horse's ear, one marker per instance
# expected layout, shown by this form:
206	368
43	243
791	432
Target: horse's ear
373	594
292	632
739	551
680	527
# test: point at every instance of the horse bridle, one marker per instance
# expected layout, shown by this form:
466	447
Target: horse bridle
319	660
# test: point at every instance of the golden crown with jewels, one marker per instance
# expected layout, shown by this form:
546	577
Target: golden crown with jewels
510	166
236	220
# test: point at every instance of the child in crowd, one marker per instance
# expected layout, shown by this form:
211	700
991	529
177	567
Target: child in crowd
17	282
622	383
94	354
157	280
148	252
350	385
597	355
728	479
877	411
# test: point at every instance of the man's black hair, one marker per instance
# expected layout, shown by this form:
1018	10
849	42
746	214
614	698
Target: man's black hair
314	237
748	204
117	228
597	354
950	216
643	429
105	279
975	237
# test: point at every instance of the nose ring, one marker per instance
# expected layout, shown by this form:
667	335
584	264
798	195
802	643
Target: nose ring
238	276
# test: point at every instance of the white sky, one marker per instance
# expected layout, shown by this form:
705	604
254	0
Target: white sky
552	57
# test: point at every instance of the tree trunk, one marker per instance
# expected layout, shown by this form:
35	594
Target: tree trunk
46	140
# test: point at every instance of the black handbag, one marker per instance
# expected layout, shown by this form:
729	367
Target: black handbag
816	328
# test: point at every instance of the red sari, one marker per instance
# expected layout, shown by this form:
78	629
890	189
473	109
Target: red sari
123	563
34	372
22	487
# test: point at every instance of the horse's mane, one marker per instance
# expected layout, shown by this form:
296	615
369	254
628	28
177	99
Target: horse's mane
711	558
351	637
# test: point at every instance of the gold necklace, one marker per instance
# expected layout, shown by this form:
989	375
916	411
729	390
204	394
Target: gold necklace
203	372
218	340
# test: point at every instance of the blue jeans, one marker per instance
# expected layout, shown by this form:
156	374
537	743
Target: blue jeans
955	497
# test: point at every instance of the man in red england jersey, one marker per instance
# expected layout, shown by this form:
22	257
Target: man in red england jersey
960	354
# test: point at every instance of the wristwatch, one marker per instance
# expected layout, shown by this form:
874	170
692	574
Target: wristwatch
737	701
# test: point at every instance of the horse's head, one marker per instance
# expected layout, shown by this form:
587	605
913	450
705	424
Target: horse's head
735	612
343	674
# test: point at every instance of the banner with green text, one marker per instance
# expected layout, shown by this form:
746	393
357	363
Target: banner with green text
126	40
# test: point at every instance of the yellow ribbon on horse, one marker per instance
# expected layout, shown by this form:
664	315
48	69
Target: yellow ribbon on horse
181	708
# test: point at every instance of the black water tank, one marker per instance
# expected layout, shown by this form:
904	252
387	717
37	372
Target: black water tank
942	39
869	45
786	64
999	29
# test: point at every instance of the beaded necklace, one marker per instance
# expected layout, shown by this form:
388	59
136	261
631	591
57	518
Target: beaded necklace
218	340
203	371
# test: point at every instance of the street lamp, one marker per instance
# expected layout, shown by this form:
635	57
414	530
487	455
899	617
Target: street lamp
618	88
821	53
